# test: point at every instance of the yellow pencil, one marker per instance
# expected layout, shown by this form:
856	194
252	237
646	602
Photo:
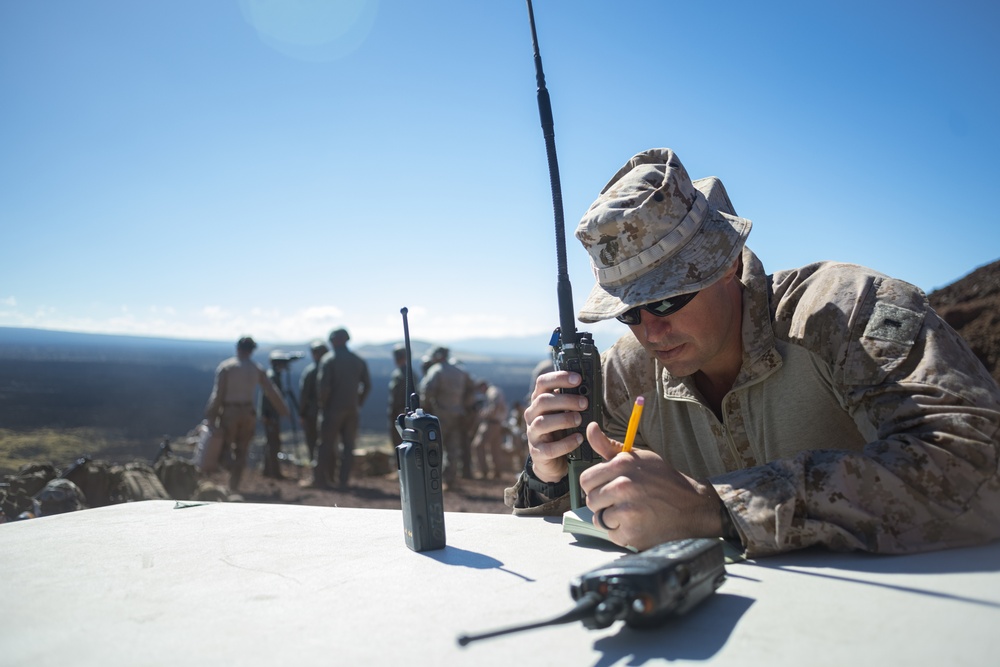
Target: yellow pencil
633	424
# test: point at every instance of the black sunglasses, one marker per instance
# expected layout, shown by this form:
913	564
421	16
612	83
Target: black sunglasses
660	308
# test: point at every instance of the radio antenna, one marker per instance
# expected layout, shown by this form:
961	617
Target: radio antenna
585	609
412	399
564	291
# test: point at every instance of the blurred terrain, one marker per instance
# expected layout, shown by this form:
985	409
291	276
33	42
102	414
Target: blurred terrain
65	395
971	305
118	395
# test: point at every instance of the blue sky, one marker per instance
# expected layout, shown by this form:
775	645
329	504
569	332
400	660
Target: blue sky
209	168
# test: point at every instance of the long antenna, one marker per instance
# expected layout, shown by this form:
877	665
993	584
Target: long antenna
584	609
564	291
412	399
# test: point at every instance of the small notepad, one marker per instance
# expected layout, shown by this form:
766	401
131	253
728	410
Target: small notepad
581	522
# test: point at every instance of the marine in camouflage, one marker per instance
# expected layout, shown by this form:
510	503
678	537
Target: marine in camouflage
859	420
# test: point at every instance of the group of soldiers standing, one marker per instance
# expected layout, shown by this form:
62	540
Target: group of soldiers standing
481	438
332	389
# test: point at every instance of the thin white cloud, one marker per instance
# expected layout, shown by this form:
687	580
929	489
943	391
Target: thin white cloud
273	325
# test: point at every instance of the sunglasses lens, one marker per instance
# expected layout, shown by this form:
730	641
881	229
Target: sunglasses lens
665	307
660	308
630	316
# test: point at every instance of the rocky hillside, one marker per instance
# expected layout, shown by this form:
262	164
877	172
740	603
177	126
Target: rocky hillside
971	305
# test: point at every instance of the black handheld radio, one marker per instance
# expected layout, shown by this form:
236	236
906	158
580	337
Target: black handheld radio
420	462
643	589
572	350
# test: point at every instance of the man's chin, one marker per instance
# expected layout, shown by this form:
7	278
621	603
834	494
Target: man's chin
678	365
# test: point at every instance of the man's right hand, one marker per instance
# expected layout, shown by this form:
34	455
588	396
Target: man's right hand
549	414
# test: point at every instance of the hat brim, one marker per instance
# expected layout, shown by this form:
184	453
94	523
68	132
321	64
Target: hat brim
701	262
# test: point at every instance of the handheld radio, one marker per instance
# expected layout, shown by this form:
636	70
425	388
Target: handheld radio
420	462
643	589
572	350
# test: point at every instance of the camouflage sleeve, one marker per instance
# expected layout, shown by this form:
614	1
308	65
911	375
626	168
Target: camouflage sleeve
928	477
628	372
525	502
427	391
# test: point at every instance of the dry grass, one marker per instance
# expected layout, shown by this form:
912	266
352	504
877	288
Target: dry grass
58	447
61	447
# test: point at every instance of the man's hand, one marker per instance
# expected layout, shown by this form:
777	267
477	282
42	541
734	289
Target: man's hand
645	500
549	413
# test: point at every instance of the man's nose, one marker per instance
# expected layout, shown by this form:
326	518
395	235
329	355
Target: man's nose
653	327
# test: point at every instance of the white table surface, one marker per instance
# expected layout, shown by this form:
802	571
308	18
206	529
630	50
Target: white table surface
156	583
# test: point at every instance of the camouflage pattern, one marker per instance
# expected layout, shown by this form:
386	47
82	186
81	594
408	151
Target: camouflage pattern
447	392
59	496
488	441
859	420
653	234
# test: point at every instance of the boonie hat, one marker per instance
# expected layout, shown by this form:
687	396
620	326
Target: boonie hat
318	345
653	234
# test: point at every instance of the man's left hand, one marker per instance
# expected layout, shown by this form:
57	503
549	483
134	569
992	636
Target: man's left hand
646	501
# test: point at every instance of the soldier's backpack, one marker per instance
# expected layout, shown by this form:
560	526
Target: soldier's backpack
96	481
138	481
179	477
17	490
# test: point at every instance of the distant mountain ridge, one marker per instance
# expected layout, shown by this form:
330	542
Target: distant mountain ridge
146	387
37	344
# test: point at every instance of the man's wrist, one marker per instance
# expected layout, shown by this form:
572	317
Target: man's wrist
546	489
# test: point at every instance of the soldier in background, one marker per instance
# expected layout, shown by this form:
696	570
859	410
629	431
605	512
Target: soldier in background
446	392
488	443
231	408
343	384
309	397
397	393
516	443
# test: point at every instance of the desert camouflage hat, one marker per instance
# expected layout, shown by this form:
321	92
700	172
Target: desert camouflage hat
653	234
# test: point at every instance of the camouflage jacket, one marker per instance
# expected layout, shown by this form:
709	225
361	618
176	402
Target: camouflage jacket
342	382
859	420
446	389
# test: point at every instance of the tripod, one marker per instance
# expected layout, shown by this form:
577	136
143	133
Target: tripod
288	391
